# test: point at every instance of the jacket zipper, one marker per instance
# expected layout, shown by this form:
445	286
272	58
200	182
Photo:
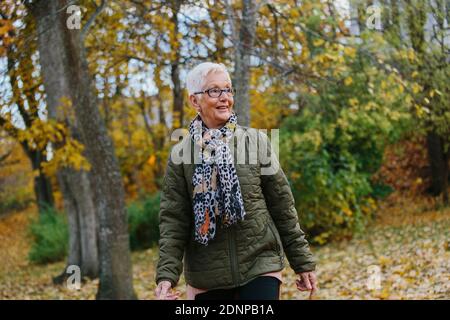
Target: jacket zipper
277	243
234	264
274	235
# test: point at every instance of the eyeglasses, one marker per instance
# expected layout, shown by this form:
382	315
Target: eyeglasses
216	92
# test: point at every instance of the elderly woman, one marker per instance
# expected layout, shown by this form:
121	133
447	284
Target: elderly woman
232	223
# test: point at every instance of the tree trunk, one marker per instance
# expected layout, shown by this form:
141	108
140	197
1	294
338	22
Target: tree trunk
218	53
243	53
42	184
74	185
395	16
83	222
107	186
178	100
361	14
437	156
439	166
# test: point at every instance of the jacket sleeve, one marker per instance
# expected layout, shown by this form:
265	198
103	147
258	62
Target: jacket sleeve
174	224
281	205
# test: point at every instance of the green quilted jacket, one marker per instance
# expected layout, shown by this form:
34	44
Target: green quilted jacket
243	251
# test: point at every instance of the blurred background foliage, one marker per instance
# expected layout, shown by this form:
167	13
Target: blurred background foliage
363	111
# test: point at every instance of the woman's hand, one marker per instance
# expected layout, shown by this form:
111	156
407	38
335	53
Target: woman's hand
307	282
162	291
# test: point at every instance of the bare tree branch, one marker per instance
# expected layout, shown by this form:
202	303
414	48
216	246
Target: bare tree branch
232	21
91	20
3	157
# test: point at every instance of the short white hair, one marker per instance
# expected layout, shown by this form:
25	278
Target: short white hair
195	79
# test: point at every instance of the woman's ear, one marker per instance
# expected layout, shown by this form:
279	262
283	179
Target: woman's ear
194	100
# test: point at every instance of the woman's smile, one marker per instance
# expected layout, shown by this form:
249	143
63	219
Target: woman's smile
223	108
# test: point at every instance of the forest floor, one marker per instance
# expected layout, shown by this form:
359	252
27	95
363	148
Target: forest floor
403	254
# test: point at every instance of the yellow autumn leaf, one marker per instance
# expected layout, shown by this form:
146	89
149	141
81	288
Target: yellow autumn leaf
151	160
318	42
353	102
416	88
384	294
350	51
339	219
384	261
411	54
347	211
348	81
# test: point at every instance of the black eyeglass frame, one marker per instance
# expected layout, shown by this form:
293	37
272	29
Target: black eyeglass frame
227	90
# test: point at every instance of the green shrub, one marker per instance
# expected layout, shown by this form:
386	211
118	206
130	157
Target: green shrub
50	237
143	222
334	144
50	233
381	190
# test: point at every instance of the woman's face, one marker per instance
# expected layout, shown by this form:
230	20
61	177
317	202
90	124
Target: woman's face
214	111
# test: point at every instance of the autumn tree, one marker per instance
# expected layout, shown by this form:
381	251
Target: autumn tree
20	110
106	184
418	37
243	35
74	182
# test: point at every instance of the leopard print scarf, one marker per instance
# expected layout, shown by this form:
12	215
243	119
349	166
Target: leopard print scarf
217	193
